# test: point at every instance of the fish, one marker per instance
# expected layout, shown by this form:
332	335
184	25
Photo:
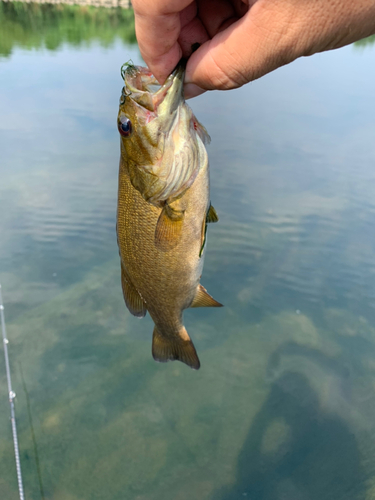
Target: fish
163	208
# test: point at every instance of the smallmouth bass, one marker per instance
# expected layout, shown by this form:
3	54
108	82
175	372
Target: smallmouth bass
163	208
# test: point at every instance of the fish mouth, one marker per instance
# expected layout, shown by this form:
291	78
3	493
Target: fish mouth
143	88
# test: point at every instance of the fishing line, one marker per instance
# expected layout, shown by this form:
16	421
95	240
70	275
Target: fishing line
33	438
12	396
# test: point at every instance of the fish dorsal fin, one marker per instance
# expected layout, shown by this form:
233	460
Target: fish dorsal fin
132	298
212	215
179	347
168	228
203	299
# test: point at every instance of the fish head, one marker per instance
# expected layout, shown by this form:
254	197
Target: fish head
162	143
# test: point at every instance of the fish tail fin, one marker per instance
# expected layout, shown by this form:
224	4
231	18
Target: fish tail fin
168	349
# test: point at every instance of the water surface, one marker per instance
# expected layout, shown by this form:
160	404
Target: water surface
283	406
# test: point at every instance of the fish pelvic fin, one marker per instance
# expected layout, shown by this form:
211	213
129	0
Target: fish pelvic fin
203	299
211	216
179	348
132	298
168	228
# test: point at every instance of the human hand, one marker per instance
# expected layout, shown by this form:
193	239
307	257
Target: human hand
242	40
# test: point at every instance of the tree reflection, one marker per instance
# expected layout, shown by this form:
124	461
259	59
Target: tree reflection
370	40
32	25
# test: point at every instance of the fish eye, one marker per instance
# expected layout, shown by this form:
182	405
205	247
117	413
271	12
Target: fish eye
124	126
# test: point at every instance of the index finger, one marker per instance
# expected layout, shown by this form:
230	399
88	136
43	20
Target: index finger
158	26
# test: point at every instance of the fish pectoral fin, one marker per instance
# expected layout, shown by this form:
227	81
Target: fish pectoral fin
132	298
179	348
212	215
168	228
203	299
201	131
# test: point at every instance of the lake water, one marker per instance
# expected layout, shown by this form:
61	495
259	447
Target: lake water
283	407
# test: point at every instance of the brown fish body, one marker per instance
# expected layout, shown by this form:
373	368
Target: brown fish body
161	249
166	280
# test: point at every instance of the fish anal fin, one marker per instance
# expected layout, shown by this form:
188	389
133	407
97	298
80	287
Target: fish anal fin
168	228
179	348
203	299
132	298
212	215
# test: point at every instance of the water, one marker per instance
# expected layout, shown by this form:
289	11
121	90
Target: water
283	406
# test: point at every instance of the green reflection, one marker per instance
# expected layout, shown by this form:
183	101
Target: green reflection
370	40
32	25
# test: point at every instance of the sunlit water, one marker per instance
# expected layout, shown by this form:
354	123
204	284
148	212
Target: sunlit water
283	407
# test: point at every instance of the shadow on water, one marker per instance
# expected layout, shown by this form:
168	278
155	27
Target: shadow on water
296	452
330	365
32	25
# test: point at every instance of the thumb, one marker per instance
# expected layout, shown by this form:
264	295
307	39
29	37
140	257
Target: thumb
254	45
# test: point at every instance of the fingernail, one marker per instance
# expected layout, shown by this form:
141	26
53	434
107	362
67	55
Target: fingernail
191	90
